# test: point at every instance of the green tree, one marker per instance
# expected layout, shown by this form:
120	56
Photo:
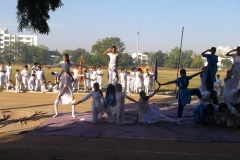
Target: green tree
227	63
125	61
160	59
34	14
197	62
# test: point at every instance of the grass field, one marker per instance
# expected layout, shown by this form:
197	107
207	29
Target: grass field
163	76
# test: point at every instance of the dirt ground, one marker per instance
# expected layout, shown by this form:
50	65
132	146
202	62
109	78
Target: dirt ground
16	143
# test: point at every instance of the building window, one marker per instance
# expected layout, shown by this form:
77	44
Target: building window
28	38
1	34
20	38
6	43
6	38
12	37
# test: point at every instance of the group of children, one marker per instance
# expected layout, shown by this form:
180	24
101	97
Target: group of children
33	80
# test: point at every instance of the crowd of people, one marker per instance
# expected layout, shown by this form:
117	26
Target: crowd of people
209	111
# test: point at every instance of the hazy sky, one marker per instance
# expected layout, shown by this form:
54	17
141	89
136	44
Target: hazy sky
80	23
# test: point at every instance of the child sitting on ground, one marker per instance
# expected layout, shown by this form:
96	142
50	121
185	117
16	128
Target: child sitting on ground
44	87
56	88
50	87
9	85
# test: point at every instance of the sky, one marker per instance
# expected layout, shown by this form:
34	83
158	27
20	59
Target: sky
80	23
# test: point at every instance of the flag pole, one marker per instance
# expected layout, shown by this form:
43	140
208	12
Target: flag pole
179	58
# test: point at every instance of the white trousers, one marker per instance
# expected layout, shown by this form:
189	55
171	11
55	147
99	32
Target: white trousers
120	116
31	85
38	84
25	83
8	77
56	108
99	81
146	89
112	72
17	87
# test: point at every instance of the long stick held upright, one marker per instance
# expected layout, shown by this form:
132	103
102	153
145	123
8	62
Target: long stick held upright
179	58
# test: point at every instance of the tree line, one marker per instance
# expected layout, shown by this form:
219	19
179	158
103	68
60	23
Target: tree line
25	54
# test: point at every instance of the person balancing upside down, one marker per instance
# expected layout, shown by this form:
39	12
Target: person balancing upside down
184	94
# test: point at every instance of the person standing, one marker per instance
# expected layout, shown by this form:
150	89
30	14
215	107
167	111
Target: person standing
8	71
113	63
99	76
218	85
25	77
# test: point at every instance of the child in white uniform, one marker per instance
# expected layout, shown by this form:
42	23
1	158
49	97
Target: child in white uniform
120	98
9	85
228	81
93	77
147	114
98	104
233	97
152	80
18	81
87	81
39	78
25	77
44	87
146	82
218	85
56	88
113	63
56	76
75	76
138	81
234	119
8	71
31	83
203	76
2	75
129	78
133	78
99	76
34	68
123	79
49	86
236	66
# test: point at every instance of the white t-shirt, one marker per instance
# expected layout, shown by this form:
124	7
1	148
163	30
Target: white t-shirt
8	69
3	69
39	74
17	76
120	97
56	74
99	73
113	58
146	79
236	58
25	73
218	82
75	73
34	69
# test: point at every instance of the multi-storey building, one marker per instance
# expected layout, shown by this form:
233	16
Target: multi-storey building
7	39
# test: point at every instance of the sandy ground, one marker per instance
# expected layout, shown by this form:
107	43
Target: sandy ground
15	143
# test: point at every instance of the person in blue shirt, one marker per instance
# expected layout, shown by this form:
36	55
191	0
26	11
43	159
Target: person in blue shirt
184	94
212	61
204	114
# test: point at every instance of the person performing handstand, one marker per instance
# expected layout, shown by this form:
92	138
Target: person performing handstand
184	94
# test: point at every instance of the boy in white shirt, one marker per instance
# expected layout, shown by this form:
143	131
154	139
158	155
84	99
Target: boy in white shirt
129	78
18	81
34	68
49	86
25	77
56	75
8	71
9	85
93	77
44	87
99	76
218	85
113	63
31	83
2	75
56	88
39	79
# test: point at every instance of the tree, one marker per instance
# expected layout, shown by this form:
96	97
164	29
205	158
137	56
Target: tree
125	61
160	59
227	63
197	62
101	45
34	14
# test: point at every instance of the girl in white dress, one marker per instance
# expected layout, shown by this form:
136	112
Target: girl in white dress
146	82
2	75
147	114
123	79
65	77
120	97
236	66
139	80
228	81
98	105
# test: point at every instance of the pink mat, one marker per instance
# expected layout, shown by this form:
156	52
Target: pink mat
187	131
